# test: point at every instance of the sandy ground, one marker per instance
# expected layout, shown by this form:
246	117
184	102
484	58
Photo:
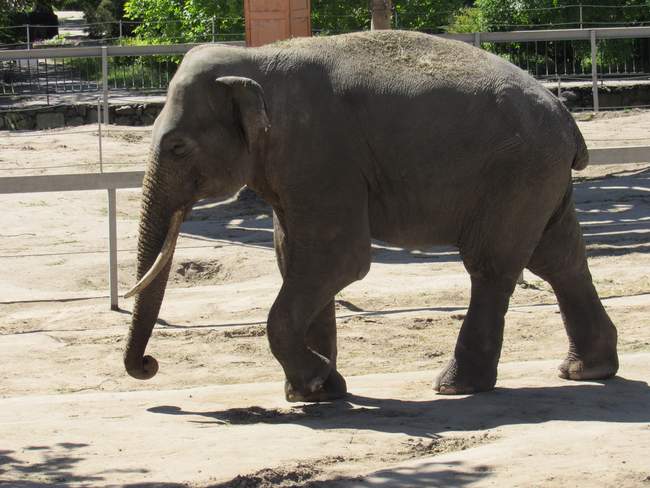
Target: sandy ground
69	415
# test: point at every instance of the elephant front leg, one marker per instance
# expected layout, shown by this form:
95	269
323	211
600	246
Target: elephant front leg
305	346
474	365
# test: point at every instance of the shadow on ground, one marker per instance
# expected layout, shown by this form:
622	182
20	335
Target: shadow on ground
615	400
614	211
56	467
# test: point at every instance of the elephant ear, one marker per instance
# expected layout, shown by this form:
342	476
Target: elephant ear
249	107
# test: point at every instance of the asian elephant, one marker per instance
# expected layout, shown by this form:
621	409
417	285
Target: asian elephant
411	139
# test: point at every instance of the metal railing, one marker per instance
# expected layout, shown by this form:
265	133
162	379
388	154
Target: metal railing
111	182
541	52
44	72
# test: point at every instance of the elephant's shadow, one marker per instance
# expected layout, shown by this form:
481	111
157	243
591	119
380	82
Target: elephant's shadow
616	400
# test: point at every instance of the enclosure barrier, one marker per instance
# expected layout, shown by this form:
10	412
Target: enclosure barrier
133	179
592	36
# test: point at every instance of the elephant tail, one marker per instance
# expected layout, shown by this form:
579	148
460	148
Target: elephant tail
581	159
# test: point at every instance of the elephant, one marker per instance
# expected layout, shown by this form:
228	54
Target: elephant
407	138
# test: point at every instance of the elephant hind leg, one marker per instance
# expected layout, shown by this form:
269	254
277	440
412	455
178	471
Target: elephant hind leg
473	367
560	259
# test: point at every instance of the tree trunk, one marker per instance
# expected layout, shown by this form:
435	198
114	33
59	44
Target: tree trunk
381	14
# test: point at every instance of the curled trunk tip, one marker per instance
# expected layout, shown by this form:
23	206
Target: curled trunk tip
141	369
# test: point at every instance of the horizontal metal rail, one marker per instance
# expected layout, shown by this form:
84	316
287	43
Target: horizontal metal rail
168	49
619	155
96	51
71	182
554	35
133	179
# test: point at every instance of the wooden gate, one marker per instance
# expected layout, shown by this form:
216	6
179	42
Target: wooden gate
272	20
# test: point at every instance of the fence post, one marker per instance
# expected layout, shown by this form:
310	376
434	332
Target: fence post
99	135
213	30
120	34
28	37
477	39
105	82
112	248
594	69
581	15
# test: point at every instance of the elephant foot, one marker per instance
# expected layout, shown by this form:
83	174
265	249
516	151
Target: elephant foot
593	360
333	388
457	379
577	369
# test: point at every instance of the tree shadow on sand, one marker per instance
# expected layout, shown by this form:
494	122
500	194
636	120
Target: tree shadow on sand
56	466
614	211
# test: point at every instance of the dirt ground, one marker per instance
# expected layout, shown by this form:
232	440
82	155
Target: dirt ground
70	416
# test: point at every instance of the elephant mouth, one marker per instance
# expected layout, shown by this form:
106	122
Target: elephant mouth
164	256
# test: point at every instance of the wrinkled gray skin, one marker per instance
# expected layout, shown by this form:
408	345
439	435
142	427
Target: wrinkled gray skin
402	137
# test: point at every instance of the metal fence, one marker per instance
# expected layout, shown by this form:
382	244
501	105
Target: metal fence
566	55
28	74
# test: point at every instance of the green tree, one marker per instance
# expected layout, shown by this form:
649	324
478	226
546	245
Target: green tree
431	16
168	21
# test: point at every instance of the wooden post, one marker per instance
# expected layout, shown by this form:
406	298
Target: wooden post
381	14
272	20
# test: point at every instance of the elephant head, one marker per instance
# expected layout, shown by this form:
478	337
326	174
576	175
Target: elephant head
204	145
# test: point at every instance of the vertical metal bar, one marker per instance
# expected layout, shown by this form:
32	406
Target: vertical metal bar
581	15
28	38
120	26
112	248
213	28
105	82
47	83
38	78
594	69
99	134
559	86
477	39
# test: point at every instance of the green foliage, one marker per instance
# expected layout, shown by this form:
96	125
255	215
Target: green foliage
426	15
336	17
468	19
502	15
166	21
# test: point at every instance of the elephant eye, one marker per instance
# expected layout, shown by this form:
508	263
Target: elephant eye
179	148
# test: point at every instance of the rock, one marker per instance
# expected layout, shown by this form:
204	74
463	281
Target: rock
569	98
74	121
49	120
18	121
122	120
92	116
148	119
125	110
153	109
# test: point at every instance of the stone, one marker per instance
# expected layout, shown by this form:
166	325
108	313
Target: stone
147	119
122	120
49	120
74	121
92	116
125	110
18	121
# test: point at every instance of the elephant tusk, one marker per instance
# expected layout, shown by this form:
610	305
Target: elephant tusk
164	256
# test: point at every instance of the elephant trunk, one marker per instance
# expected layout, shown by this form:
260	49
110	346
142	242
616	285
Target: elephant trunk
157	218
